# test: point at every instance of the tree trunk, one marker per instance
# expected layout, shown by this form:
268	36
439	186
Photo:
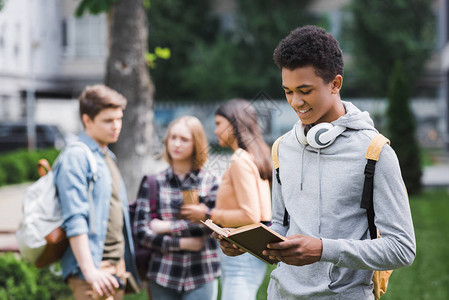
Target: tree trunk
127	72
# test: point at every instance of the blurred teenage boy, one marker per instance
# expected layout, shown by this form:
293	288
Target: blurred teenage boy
99	232
329	254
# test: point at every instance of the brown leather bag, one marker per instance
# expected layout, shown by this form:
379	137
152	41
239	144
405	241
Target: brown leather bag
57	242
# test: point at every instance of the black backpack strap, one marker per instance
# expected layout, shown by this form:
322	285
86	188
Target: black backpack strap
367	196
372	156
286	221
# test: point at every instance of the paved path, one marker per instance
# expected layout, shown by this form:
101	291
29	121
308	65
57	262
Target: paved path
11	202
10	214
436	176
11	198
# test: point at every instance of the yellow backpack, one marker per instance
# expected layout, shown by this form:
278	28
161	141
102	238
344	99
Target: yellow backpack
380	278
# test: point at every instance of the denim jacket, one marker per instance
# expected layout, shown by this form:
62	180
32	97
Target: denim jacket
72	177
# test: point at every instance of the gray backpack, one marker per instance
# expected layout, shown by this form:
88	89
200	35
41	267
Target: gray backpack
40	237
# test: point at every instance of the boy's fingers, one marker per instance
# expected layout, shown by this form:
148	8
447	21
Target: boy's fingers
293	241
274	246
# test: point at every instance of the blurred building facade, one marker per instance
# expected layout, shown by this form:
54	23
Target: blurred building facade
47	52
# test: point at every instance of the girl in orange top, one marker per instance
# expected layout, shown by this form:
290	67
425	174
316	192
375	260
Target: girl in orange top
244	195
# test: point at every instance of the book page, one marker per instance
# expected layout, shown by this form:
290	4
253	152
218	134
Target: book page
214	227
244	228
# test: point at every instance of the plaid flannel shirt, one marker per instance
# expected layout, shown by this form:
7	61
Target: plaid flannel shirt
170	266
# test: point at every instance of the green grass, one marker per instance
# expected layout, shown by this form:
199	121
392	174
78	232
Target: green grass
432	156
141	296
428	277
426	158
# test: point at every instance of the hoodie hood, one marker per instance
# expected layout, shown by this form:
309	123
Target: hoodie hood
354	118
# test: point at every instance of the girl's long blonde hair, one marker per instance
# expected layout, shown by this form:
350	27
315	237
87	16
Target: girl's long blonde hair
200	145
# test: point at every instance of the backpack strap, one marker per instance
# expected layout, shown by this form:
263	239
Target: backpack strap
149	190
143	188
372	156
275	159
152	195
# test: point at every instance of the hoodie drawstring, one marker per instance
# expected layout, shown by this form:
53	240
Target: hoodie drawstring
320	206
302	168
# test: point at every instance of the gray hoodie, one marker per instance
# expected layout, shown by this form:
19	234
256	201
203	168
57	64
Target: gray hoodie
321	190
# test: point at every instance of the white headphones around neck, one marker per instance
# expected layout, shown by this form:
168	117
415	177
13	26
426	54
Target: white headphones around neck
319	136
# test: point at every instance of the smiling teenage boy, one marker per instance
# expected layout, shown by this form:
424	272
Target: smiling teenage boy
329	254
98	229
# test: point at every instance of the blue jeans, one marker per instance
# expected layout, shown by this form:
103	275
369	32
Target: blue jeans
207	291
241	276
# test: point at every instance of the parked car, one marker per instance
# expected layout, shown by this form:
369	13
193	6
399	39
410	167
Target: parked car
13	135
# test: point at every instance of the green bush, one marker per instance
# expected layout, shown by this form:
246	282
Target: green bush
30	160
237	50
21	165
2	175
50	155
402	130
14	168
20	280
52	280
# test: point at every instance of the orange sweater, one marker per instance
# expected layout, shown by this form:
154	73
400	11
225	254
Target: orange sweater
243	197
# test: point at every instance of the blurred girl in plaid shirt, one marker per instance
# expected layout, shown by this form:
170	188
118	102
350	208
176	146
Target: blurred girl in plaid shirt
184	262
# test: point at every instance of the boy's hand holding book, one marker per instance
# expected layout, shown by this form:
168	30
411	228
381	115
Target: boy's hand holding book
252	238
298	250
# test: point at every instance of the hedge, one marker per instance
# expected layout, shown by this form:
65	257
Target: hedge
21	166
20	280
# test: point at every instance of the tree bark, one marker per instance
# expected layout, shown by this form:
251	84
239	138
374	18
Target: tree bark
127	73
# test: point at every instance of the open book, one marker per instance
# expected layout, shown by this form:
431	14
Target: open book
252	238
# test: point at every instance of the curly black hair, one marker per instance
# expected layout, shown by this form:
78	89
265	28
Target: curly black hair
310	46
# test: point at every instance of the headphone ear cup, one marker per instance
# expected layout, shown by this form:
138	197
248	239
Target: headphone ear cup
313	136
299	132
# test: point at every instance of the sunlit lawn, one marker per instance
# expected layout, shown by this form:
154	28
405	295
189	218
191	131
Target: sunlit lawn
428	277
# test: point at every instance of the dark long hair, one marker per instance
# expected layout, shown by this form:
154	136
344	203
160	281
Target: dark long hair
243	118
